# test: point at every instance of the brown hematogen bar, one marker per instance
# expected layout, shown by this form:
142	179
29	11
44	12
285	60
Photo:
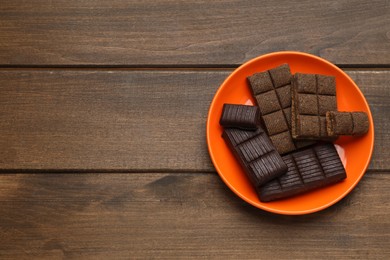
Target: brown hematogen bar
312	96
308	169
256	154
241	116
253	149
346	123
272	91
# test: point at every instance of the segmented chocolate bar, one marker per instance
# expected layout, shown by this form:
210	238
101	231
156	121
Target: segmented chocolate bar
312	96
240	116
346	123
308	169
272	91
256	154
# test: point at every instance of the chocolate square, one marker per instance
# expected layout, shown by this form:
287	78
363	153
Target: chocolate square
326	103
283	141
312	96
339	122
268	102
305	83
308	104
275	122
260	82
325	85
309	125
281	76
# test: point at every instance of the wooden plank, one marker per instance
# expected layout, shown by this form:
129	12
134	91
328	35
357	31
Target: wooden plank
114	120
172	33
180	216
375	87
129	120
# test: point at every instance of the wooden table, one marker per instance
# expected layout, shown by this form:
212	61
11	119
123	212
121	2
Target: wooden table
103	107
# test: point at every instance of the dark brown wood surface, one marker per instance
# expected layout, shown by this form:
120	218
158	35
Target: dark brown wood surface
194	33
125	120
103	107
179	216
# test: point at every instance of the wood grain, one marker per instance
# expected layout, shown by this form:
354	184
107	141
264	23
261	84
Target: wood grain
177	33
379	102
120	120
102	103
180	216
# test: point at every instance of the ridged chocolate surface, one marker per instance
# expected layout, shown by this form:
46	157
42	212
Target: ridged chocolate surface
312	96
256	154
346	123
308	169
272	91
240	116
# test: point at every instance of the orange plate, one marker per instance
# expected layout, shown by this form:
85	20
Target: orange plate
355	152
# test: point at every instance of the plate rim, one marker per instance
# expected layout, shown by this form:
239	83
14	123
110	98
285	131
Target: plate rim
270	209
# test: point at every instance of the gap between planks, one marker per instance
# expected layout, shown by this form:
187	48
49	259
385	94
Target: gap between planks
200	67
108	171
125	171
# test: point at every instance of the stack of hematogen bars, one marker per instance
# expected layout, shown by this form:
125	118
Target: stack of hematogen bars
284	143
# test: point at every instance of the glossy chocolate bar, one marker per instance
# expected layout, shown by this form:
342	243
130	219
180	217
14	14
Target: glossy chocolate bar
308	169
256	154
240	116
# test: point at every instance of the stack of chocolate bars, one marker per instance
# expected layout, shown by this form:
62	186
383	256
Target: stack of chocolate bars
284	144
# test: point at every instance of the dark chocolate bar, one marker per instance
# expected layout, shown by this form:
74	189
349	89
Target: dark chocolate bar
312	96
346	123
308	169
256	154
240	116
272	91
